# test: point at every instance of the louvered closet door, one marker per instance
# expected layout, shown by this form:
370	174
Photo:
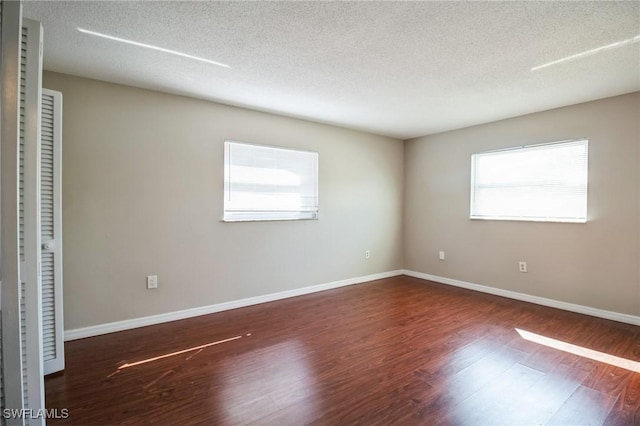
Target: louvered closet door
2	405
29	199
21	66
22	196
12	394
51	231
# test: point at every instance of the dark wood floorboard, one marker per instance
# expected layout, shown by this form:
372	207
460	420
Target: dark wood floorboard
394	351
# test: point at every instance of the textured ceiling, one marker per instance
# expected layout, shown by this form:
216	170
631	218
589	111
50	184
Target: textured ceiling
402	69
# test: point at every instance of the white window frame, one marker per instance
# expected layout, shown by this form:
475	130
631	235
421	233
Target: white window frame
533	218
232	213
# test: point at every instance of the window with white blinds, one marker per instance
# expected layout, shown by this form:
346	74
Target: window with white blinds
269	183
546	182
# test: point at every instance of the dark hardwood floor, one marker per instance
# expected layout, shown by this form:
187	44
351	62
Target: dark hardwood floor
394	351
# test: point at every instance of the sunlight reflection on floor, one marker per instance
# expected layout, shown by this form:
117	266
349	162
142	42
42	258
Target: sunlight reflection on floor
580	351
144	361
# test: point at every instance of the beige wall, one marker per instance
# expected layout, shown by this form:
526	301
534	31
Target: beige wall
593	264
142	195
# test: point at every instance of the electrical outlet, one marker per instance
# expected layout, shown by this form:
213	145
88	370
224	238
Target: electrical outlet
441	255
367	254
152	281
522	266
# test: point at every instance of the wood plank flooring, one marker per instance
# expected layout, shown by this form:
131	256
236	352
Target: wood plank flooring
394	351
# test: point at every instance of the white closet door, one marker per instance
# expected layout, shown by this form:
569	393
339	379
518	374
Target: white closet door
21	74
12	391
30	255
1	367
51	231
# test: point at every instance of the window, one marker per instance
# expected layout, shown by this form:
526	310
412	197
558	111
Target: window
546	182
269	183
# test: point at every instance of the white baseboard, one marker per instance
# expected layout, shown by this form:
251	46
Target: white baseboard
80	333
601	313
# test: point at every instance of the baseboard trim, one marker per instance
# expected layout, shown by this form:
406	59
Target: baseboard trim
600	313
96	330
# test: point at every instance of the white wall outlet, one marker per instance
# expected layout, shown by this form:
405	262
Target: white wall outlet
441	255
367	254
522	266
152	281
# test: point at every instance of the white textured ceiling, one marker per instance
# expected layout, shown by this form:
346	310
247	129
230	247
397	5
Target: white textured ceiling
402	69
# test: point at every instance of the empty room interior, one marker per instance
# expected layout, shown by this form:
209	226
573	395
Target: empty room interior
259	213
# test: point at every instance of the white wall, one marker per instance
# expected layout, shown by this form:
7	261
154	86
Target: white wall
143	192
594	264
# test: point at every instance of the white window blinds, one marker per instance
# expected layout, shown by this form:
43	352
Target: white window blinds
545	182
269	183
